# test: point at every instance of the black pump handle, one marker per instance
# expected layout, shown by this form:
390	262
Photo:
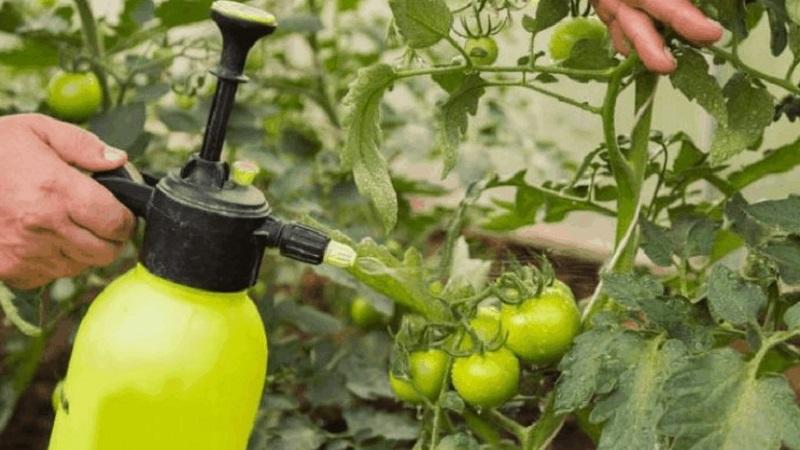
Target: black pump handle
241	27
130	187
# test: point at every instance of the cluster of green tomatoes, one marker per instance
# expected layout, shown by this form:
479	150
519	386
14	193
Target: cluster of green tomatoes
484	358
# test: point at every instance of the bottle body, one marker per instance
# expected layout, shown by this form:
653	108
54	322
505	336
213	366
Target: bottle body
160	366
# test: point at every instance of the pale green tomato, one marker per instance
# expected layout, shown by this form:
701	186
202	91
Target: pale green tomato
426	371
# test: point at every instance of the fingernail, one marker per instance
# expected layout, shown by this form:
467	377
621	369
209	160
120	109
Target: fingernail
714	24
114	154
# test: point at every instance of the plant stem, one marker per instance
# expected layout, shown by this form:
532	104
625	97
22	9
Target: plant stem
735	61
629	202
562	98
95	46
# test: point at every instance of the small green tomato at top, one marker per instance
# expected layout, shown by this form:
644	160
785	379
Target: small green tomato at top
426	372
482	51
488	379
541	329
364	315
74	96
569	33
486	324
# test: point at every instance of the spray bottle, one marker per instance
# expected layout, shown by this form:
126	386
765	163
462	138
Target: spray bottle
172	355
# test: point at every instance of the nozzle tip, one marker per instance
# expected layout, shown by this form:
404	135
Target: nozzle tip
340	255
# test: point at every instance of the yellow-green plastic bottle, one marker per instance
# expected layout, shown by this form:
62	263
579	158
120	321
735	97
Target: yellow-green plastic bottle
160	366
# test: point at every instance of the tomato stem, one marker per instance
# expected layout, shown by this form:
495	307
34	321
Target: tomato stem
95	45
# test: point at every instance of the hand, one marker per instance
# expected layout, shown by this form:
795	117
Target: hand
55	221
631	22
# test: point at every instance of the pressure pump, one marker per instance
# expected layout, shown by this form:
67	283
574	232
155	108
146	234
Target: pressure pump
173	354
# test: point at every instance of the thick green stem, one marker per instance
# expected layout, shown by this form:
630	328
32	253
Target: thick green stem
628	203
95	46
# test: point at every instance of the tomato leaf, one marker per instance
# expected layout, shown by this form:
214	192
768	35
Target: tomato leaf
591	367
792	317
548	13
422	23
630	289
637	402
780	160
361	151
694	81
173	13
784	215
453	118
717	402
733	299
121	126
786	254
750	111
366	423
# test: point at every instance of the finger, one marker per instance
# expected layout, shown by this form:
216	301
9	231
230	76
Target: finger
73	144
618	38
641	32
607	9
683	17
86	248
92	207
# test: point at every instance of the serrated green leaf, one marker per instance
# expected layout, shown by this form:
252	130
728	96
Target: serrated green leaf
367	422
422	23
750	110
121	126
694	235
786	254
694	81
459	441
753	232
781	214
632	412
656	243
453	118
716	402
780	160
630	289
361	151
792	317
732	299
592	366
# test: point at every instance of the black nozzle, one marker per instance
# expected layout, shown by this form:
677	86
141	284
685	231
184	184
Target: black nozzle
241	27
295	241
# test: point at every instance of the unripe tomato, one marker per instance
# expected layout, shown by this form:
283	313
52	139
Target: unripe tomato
364	315
426	370
487	380
185	102
74	96
486	325
568	33
482	51
541	329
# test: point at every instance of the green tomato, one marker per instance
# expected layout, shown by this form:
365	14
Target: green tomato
487	380
74	96
185	102
482	51
486	325
426	371
541	329
364	315
569	33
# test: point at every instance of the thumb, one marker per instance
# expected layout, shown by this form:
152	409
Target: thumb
73	144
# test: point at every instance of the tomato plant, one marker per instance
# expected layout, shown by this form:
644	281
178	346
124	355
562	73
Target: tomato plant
690	179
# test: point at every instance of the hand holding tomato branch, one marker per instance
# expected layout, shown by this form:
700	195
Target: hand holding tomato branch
54	220
631	22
